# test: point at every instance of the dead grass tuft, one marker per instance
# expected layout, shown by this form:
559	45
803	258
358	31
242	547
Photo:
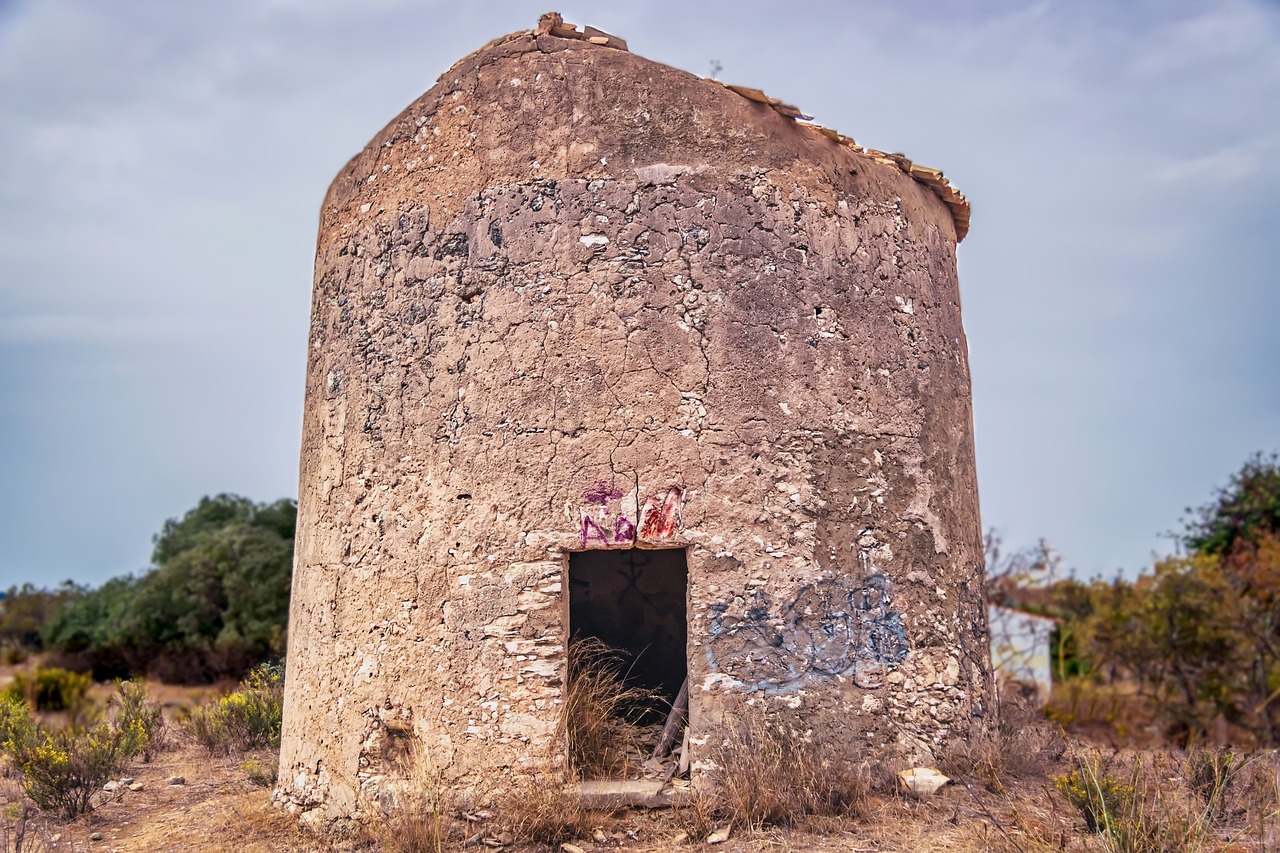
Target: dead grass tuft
1023	744
770	774
414	825
601	711
417	816
542	810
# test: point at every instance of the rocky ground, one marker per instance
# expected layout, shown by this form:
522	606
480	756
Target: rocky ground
220	808
1003	797
216	806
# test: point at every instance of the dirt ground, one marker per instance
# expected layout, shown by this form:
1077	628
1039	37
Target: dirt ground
219	808
1003	798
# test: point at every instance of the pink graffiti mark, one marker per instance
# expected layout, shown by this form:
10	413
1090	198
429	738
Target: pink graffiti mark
622	532
600	494
597	527
661	520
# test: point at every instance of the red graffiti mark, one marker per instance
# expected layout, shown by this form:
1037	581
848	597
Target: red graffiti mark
661	521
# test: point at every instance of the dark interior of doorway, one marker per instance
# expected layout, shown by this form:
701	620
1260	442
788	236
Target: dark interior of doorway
633	600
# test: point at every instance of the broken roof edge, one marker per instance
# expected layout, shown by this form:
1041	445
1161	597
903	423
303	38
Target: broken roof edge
553	24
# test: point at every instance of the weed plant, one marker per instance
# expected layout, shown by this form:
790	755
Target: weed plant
770	774
247	718
601	712
61	770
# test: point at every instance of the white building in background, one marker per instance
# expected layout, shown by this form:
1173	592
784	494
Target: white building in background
1021	646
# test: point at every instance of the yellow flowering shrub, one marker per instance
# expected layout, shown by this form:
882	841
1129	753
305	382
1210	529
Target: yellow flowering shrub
247	718
54	689
1103	800
61	770
133	710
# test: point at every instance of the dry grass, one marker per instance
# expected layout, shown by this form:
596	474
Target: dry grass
1161	801
1022	744
543	811
418	816
415	825
423	815
601	712
771	775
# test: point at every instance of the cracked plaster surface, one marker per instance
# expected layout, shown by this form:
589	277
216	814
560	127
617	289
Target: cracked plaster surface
547	304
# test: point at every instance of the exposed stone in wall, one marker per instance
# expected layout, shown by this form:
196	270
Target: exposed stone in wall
575	299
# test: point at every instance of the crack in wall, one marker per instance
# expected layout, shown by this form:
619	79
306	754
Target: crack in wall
752	358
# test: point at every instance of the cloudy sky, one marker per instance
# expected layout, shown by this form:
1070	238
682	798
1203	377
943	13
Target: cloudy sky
162	166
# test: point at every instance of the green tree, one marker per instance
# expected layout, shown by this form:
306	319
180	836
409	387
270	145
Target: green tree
92	618
25	610
215	603
1247	507
1200	635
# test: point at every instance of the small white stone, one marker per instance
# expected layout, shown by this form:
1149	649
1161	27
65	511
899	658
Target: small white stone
923	780
312	821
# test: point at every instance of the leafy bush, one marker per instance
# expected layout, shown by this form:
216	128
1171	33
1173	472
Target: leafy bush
51	689
13	655
15	718
245	719
216	602
62	770
1104	801
132	710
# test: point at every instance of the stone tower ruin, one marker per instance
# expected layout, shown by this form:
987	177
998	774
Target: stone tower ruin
601	348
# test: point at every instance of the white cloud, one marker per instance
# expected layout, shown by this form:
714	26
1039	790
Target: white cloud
164	162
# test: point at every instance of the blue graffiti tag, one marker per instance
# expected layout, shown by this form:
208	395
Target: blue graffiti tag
831	629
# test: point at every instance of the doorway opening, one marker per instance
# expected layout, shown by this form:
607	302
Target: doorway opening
627	690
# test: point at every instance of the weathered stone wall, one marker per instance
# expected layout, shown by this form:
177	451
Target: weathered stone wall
575	299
